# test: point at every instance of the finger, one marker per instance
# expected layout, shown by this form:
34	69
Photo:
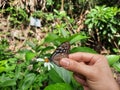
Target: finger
74	66
85	57
79	75
80	79
86	88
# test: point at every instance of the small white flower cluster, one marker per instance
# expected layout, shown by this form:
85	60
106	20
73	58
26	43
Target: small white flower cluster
47	63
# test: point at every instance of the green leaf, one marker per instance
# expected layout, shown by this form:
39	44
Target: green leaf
31	44
28	81
29	55
76	85
59	86
17	72
62	13
112	59
83	49
63	73
3	62
64	33
6	81
77	37
50	37
90	25
45	49
9	82
2	69
117	66
54	76
87	21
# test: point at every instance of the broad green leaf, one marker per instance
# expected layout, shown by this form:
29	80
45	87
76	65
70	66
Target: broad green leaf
2	69
75	84
3	62
117	66
59	86
48	48
90	25
112	59
62	13
29	55
61	39
6	81
83	49
77	37
10	68
87	21
64	33
9	82
28	81
63	73
54	76
17	72
50	37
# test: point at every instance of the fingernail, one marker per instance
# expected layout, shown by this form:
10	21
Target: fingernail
65	62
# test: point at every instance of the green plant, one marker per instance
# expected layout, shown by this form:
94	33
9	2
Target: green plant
57	74
103	25
5	53
18	16
38	14
114	61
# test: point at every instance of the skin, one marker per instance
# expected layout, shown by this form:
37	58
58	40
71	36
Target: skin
90	70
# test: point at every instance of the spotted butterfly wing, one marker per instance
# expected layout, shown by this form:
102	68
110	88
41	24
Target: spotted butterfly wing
61	52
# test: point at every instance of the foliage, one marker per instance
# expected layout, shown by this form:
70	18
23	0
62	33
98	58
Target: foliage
4	52
114	61
21	70
17	16
103	22
24	73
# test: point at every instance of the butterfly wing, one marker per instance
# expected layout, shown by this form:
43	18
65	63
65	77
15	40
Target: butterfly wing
61	52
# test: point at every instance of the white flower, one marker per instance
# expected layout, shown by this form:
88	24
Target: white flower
49	65
40	60
46	62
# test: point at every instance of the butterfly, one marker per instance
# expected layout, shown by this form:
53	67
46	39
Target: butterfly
62	51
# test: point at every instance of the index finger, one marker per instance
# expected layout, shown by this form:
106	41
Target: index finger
85	57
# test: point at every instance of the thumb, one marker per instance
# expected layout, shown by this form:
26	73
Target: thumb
74	66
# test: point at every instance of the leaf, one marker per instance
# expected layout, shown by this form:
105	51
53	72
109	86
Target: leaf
2	69
87	21
77	37
54	76
29	55
17	72
59	86
6	81
90	25
117	66
64	33
9	82
76	85
63	73
50	37
5	65
27	81
48	48
112	59
83	49
31	44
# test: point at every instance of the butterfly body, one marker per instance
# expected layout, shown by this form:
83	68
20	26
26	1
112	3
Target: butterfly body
61	52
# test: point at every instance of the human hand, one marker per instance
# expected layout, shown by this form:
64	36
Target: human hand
90	70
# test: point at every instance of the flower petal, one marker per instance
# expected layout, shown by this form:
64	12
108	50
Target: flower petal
39	60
